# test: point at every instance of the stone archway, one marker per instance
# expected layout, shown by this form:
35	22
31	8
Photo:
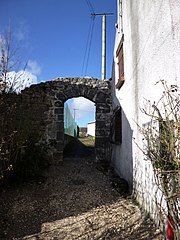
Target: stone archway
95	90
40	108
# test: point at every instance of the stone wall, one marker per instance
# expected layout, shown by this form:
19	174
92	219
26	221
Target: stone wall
40	108
27	111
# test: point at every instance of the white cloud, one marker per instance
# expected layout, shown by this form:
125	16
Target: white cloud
21	31
83	106
18	80
21	79
33	67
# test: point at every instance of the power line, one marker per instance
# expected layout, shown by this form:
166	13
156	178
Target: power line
90	6
88	46
89	39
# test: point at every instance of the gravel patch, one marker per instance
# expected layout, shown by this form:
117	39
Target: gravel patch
72	201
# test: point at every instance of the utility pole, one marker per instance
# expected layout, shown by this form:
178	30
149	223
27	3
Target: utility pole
75	109
103	74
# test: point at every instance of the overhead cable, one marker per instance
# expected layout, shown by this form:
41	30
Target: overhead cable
90	6
89	45
89	40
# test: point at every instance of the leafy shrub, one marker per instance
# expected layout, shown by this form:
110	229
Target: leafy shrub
29	161
21	158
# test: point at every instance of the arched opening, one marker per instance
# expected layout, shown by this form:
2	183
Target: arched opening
79	127
99	92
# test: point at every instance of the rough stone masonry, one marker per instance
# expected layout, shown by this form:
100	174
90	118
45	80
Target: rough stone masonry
40	108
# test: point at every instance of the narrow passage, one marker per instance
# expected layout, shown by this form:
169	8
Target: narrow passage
74	200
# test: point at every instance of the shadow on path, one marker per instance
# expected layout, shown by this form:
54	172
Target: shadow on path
80	147
71	201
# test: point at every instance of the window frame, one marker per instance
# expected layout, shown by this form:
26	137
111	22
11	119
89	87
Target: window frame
120	56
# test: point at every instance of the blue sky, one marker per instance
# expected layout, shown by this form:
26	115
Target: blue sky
53	34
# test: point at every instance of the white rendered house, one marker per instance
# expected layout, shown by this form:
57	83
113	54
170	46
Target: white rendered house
91	128
147	49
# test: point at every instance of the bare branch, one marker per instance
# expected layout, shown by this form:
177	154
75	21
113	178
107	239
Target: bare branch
163	149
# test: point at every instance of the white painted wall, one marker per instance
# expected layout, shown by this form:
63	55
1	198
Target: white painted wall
91	129
151	52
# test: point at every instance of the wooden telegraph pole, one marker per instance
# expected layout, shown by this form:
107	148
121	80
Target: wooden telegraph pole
103	75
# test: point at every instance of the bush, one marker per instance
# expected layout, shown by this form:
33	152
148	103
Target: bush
30	162
162	147
21	158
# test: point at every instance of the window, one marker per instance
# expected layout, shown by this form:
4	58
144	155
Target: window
120	56
116	127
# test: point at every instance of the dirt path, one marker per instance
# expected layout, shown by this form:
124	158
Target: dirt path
72	201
